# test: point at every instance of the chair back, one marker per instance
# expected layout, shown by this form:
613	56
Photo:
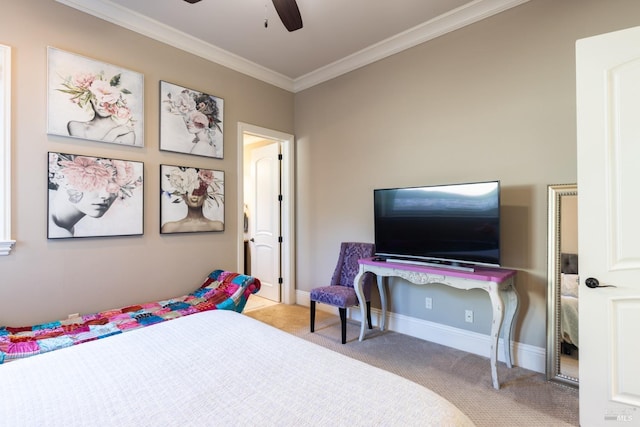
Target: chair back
347	267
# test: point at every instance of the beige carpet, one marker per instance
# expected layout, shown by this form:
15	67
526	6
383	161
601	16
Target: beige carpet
524	399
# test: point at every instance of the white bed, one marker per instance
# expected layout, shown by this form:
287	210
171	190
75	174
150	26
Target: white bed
211	368
569	308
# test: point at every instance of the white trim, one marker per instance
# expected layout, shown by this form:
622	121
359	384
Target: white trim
464	15
5	151
127	18
524	355
455	19
288	204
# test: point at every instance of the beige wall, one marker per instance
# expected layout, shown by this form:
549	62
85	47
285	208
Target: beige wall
569	225
494	100
44	280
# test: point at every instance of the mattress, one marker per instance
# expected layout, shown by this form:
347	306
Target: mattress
211	368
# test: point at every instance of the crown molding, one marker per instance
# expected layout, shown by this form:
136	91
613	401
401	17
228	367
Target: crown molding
451	21
461	17
116	14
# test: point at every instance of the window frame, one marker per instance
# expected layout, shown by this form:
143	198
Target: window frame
6	243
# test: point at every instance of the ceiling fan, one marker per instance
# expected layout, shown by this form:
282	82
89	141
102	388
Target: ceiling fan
287	10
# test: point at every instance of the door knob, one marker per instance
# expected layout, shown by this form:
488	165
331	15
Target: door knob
252	239
592	282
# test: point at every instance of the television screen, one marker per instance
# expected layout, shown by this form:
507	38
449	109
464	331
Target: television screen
454	224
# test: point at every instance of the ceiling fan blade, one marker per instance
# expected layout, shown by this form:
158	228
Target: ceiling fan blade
289	14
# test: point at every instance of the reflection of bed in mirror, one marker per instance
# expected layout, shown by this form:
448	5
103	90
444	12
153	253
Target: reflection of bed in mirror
569	302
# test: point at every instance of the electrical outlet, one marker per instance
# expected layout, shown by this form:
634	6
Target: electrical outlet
468	316
428	303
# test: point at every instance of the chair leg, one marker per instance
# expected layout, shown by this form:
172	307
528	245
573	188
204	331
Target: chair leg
343	323
369	314
312	312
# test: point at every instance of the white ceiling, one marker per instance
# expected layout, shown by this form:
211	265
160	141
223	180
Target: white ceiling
338	35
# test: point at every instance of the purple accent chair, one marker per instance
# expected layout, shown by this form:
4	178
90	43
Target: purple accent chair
341	293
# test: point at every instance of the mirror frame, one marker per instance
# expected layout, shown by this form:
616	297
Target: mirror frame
555	195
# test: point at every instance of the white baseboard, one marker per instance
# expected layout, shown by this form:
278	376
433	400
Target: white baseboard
523	355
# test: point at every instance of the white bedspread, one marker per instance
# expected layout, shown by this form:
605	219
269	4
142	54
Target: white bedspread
212	368
569	324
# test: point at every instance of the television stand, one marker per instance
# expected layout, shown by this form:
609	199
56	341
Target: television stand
499	283
432	264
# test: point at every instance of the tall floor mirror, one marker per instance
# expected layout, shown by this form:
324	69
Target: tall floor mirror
563	346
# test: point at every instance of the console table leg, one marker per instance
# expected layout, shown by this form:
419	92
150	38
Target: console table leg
510	296
382	289
498	315
357	285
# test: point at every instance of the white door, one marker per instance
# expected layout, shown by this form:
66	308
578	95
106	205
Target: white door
608	119
264	222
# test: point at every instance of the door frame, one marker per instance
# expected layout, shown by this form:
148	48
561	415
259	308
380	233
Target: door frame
287	273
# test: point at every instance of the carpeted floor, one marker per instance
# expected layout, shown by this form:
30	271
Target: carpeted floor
524	399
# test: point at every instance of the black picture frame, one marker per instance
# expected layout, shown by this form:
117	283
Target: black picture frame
94	100
192	199
191	121
94	196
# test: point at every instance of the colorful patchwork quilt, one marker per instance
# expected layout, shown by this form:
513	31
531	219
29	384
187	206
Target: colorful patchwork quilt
222	290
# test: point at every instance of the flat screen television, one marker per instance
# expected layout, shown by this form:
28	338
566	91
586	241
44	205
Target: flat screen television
450	225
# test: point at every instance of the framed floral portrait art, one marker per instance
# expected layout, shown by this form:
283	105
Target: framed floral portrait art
191	122
94	197
93	100
192	199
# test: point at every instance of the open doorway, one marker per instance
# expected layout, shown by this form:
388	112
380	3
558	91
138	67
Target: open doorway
266	210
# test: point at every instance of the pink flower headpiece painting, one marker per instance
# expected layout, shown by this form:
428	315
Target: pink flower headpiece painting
93	100
190	121
92	196
192	199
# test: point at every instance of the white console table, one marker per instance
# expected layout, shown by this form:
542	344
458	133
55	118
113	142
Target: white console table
498	282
